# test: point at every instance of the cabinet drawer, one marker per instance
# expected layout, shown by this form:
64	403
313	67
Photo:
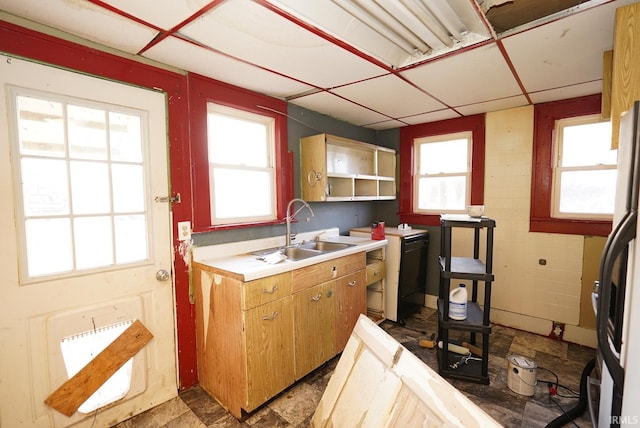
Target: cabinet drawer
266	290
326	271
376	272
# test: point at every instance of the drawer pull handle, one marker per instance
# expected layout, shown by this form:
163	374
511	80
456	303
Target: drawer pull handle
270	317
352	283
273	290
376	273
316	298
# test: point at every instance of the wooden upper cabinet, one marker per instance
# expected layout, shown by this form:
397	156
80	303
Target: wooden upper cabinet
625	85
339	169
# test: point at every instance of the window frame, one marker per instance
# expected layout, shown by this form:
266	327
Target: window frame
442	138
474	124
204	90
559	168
269	125
542	167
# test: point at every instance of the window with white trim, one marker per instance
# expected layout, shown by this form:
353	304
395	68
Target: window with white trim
442	178
584	176
241	152
81	182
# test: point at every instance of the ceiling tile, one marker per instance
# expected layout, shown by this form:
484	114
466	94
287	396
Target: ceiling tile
247	30
375	94
566	92
563	52
86	20
430	117
501	104
188	56
336	107
162	14
476	75
387	124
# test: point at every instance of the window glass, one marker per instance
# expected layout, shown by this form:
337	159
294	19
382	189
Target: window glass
241	151
81	179
442	173
585	173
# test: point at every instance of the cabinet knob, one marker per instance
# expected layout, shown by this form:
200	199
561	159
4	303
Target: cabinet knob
273	290
270	317
316	298
352	283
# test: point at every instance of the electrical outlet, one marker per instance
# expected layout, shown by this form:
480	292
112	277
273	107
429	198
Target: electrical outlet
557	330
184	230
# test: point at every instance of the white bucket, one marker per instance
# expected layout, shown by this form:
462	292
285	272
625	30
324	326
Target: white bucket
521	375
458	303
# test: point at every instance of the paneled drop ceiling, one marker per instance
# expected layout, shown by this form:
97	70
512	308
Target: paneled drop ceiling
495	54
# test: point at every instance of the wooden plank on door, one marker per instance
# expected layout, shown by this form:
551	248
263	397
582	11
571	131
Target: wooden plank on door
75	391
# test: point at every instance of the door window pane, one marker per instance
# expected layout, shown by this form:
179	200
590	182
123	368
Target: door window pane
44	187
90	187
87	132
93	243
128	188
125	137
49	249
40	127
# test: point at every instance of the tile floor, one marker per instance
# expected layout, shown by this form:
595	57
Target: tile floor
295	406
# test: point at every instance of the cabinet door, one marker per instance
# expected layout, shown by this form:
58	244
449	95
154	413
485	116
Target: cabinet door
314	331
351	301
313	168
269	350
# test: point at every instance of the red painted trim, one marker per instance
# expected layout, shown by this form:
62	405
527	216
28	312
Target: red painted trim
164	34
545	116
19	41
475	124
203	90
514	72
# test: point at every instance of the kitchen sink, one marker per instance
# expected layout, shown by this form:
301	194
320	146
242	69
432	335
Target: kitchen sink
297	253
324	246
303	250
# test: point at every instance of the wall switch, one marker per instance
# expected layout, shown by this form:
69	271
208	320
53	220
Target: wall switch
184	230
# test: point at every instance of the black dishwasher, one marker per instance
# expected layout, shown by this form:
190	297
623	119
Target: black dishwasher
412	281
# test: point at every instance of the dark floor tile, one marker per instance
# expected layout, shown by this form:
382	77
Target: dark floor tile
203	405
266	418
499	344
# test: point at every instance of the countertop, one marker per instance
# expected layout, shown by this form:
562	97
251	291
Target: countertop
234	259
392	231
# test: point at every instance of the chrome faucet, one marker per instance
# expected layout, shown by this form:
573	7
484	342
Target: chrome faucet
290	216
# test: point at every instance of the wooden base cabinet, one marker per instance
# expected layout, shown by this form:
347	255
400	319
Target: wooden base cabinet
256	338
315	337
351	301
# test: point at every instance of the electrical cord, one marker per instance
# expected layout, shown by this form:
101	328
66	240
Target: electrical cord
581	406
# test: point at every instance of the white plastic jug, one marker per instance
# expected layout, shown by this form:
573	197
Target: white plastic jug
458	303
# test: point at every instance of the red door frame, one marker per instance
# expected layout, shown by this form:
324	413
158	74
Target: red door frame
19	41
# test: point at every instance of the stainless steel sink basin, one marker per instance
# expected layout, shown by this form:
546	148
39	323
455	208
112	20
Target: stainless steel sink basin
297	253
324	246
304	250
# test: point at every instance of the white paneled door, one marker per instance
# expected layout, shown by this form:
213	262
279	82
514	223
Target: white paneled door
85	245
